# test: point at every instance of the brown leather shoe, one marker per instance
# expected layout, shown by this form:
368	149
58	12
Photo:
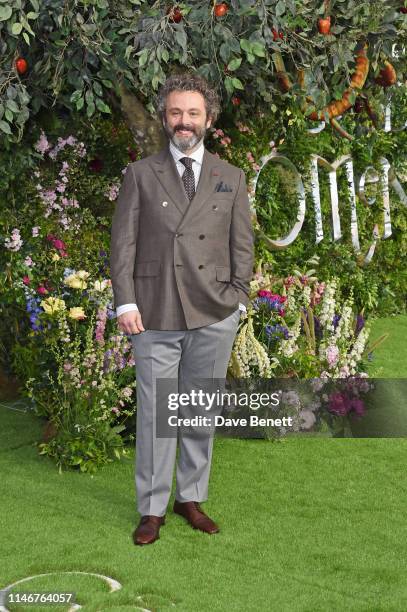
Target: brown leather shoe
148	530
195	516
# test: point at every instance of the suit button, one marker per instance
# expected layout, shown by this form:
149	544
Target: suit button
178	235
164	204
200	267
202	236
214	207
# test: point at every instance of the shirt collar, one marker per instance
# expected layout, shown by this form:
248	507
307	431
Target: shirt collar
196	155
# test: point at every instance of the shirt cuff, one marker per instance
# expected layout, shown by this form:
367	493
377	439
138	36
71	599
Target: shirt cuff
125	308
242	307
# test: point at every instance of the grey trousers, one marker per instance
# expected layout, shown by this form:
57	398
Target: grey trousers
183	356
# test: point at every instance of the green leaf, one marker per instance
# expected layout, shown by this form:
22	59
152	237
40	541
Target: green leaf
234	63
102	106
181	38
107	83
4	127
76	95
165	55
98	88
237	83
90	110
280	8
80	103
258	49
229	85
12	106
246	45
143	56
16	28
27	26
26	38
32	15
5	13
251	58
9	115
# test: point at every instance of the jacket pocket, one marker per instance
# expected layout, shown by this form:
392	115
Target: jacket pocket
223	274
147	268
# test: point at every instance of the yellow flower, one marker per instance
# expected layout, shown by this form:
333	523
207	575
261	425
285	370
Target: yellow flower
77	313
82	274
52	305
75	282
55	257
100	285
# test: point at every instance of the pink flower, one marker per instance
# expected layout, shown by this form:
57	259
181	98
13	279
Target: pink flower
26	280
58	244
338	404
358	406
42	290
332	354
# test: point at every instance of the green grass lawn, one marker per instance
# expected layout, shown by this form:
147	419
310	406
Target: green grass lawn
307	524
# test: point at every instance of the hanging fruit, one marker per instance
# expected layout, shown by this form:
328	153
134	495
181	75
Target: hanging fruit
221	9
175	14
387	75
236	101
324	25
21	65
277	34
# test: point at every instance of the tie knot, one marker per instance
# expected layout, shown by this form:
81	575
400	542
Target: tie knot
187	161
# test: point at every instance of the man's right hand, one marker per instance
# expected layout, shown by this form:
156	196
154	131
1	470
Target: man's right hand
130	322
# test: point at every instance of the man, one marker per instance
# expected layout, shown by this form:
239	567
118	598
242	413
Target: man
181	263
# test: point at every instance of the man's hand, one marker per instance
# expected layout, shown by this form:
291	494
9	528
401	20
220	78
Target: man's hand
130	322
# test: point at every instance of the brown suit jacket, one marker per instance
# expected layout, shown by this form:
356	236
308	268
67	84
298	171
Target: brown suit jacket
185	264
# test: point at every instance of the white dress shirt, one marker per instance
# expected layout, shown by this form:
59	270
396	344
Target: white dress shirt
197	156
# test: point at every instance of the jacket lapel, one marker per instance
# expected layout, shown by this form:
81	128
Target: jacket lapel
166	170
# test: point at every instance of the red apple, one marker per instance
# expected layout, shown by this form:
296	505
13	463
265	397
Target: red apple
221	9
175	14
21	65
324	26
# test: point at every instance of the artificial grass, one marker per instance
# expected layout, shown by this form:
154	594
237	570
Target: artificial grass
389	360
307	524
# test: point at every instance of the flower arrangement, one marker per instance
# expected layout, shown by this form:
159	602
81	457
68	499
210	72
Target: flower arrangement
75	365
301	326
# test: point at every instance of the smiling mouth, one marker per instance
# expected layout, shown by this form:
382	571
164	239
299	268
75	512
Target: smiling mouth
184	131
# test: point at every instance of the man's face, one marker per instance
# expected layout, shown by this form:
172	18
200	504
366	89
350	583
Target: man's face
185	121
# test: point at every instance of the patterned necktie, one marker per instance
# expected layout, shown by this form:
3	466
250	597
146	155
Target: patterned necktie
188	177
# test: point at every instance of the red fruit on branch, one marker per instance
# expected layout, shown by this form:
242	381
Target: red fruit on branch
324	25
175	14
221	9
236	101
21	65
277	35
403	9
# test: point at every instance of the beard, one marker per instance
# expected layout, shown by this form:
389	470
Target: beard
184	142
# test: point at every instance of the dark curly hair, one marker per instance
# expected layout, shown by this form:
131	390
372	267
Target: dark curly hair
188	81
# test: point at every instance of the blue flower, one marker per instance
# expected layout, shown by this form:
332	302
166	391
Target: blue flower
276	332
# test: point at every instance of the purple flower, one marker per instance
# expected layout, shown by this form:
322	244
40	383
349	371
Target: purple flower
338	404
360	323
276	332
